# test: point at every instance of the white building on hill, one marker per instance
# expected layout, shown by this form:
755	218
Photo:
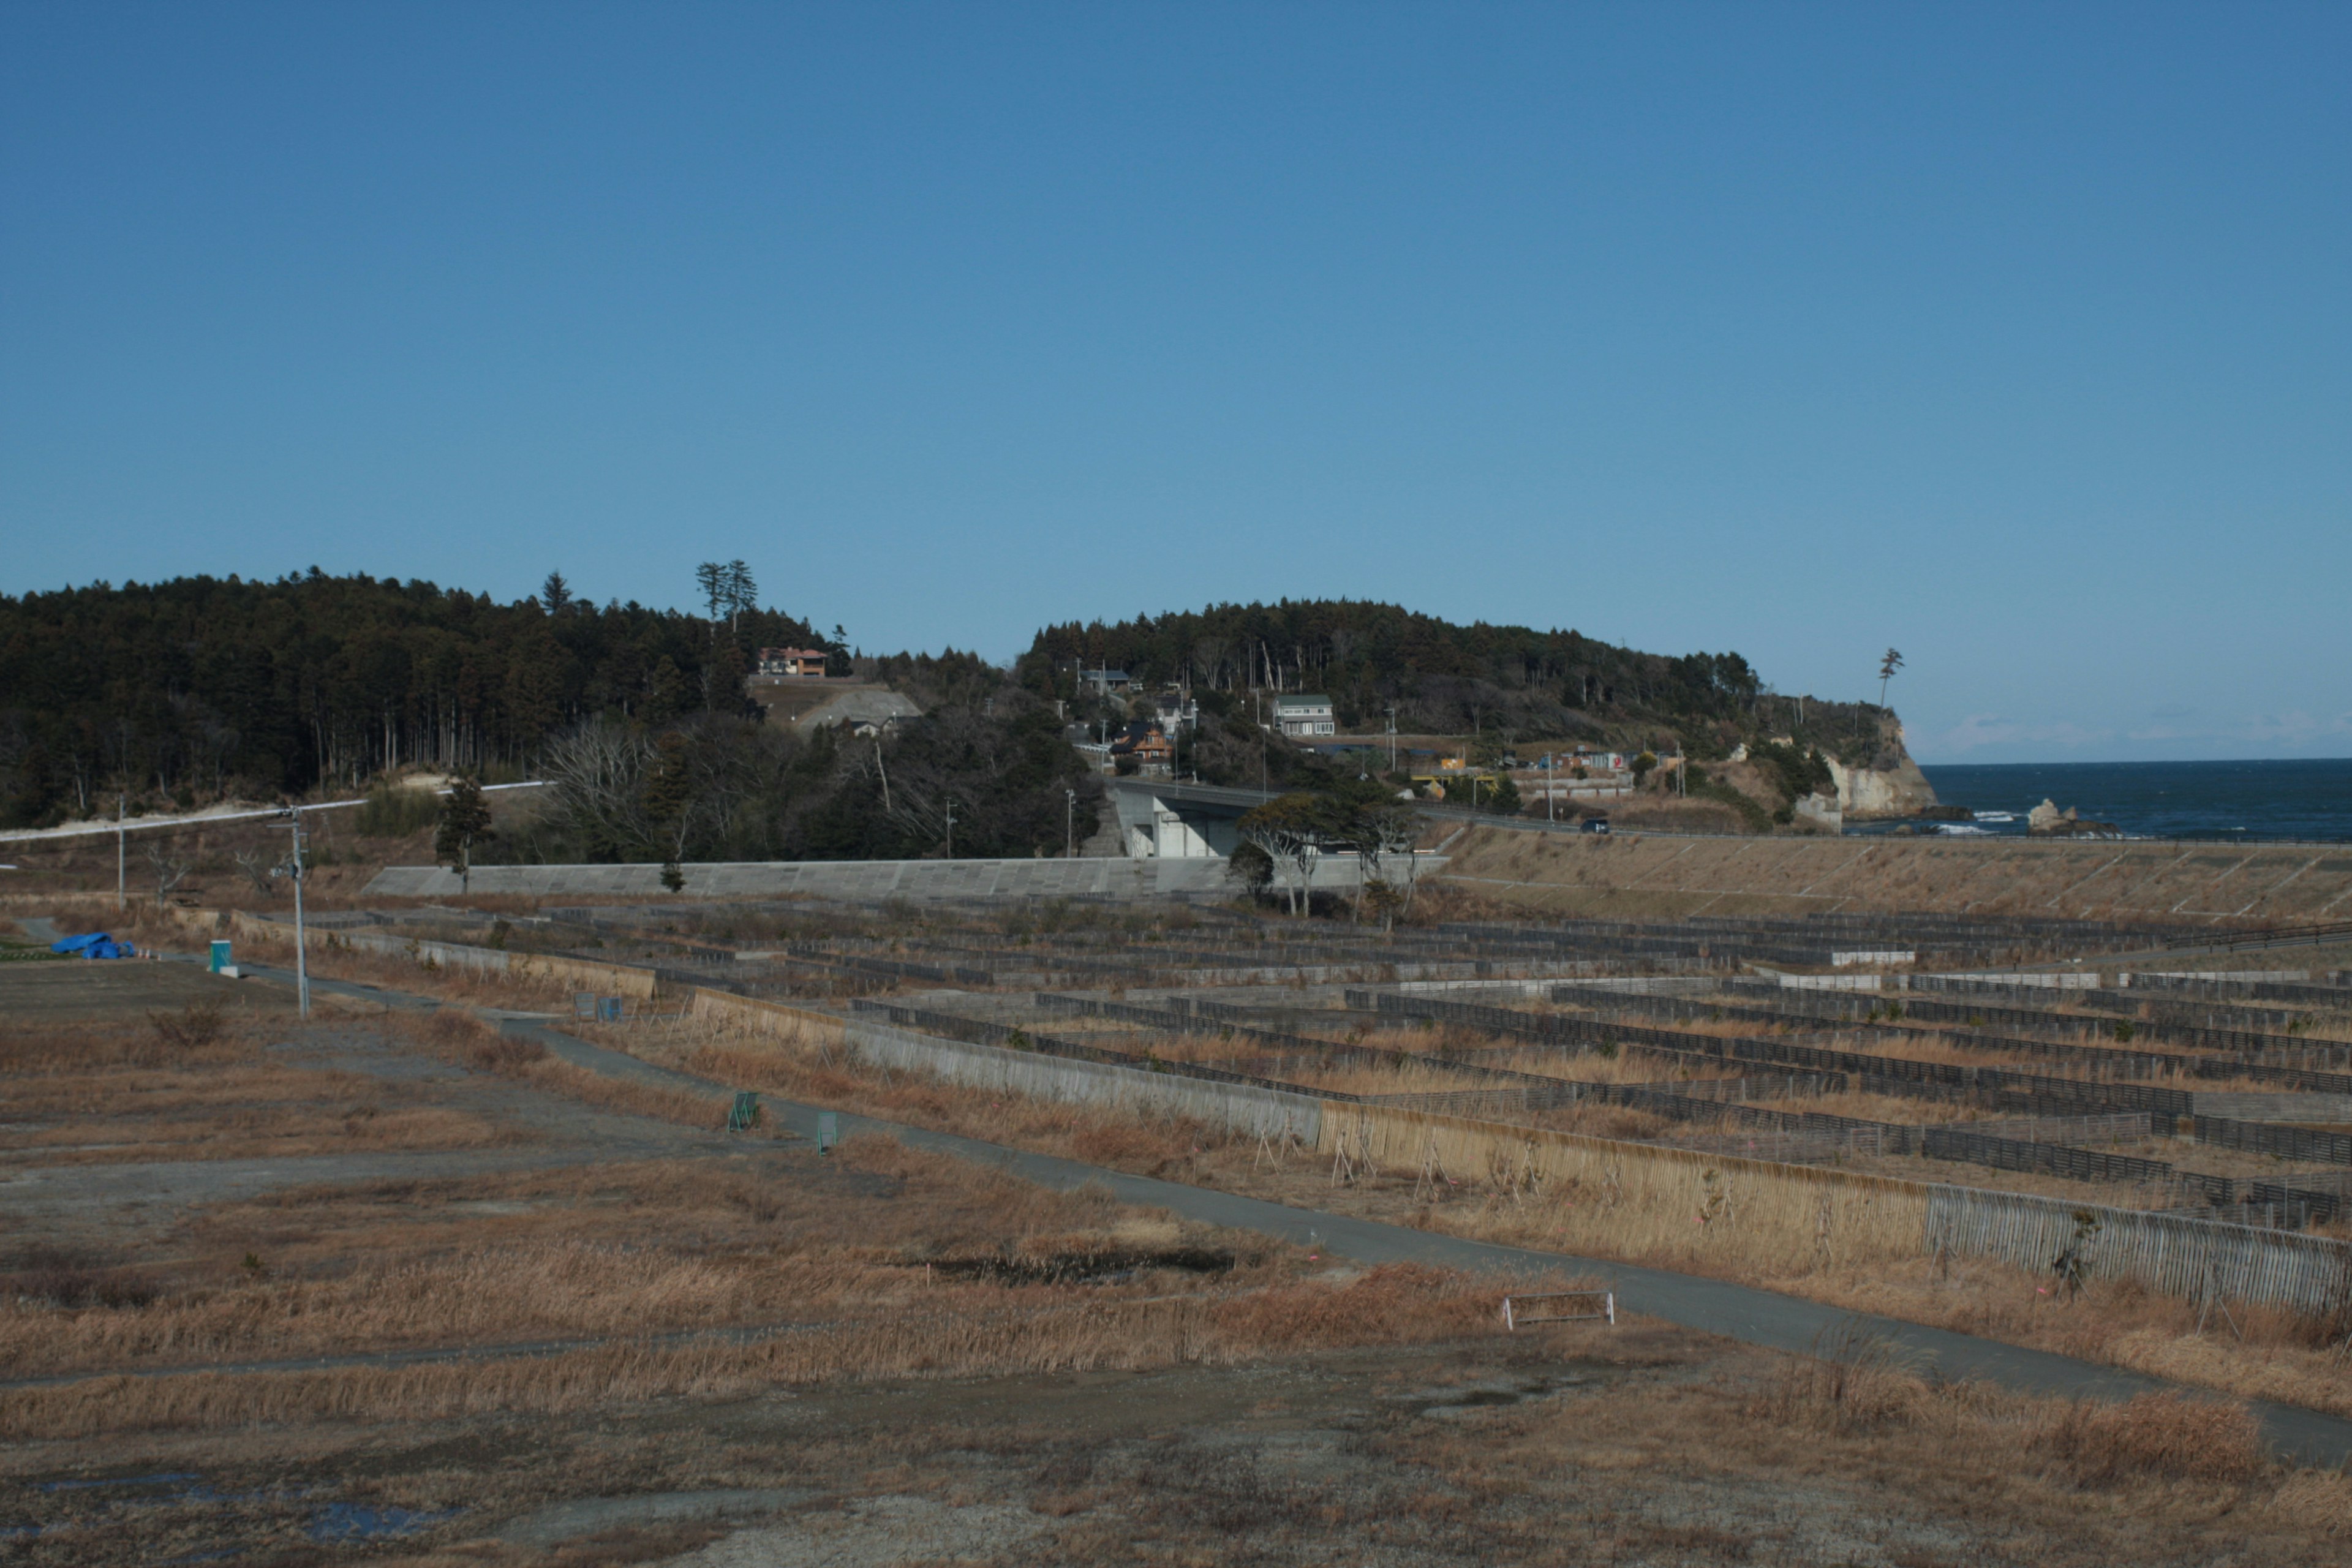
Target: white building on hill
1304	716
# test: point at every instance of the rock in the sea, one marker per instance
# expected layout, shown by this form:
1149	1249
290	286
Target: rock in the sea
2048	822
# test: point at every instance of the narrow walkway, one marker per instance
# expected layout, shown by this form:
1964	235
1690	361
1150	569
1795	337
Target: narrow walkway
1764	1318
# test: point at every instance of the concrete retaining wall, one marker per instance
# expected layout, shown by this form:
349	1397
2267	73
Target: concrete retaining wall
1237	1106
579	973
866	880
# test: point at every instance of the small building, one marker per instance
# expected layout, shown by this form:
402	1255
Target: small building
1304	715
1105	682
793	662
1153	753
1177	711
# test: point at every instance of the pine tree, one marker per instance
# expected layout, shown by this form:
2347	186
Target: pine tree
464	817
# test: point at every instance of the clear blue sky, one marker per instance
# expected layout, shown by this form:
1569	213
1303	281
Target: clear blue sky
2019	338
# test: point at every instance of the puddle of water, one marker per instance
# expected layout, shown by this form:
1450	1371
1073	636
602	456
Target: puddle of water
171	1478
333	1522
356	1522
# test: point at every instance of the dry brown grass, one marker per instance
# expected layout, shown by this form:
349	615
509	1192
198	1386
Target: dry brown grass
196	1036
197	1084
1826	1240
2162	1435
1398	1304
2160	1479
462	1036
855	1270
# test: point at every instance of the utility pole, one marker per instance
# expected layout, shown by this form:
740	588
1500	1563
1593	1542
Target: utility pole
302	945
1393	737
1070	824
951	830
1552	779
118	883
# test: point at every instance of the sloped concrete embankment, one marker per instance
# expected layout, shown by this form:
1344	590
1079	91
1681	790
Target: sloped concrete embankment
1634	874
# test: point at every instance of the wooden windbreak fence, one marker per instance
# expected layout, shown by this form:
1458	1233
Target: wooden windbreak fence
2271	1138
2167	1253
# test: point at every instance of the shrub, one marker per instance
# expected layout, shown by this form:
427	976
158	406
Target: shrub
2157	1434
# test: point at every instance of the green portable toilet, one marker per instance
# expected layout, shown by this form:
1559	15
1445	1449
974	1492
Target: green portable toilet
220	959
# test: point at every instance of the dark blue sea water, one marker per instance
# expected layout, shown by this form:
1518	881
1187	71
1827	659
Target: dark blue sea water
2309	798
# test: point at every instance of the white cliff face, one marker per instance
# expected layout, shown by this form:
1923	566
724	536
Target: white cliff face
1821	810
1874	792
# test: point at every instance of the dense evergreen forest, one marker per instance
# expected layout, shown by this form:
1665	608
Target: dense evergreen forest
1511	683
183	692
201	686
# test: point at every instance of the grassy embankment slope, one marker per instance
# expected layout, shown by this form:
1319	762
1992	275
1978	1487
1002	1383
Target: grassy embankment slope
1634	875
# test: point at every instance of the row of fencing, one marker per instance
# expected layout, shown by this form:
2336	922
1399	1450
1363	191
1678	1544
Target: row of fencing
2185	1023
1773	1210
2033	1144
2167	1252
2332	990
1903	1075
2107	1060
2311	1057
2288	1142
2173	1030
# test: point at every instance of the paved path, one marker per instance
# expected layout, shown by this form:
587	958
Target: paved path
1757	1317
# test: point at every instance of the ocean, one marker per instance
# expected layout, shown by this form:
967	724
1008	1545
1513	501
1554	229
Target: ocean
2306	798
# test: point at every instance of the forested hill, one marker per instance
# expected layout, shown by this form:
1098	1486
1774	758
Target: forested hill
1446	678
203	686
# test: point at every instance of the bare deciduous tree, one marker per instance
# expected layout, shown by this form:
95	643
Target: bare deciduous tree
169	873
256	864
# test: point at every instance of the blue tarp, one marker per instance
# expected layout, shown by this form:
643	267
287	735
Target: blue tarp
96	944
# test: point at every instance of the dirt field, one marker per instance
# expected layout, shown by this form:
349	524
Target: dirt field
61	990
493	1322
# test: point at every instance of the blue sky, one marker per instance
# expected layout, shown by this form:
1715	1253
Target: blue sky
2014	337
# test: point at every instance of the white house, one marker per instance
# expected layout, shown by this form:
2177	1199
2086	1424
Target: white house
1304	715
